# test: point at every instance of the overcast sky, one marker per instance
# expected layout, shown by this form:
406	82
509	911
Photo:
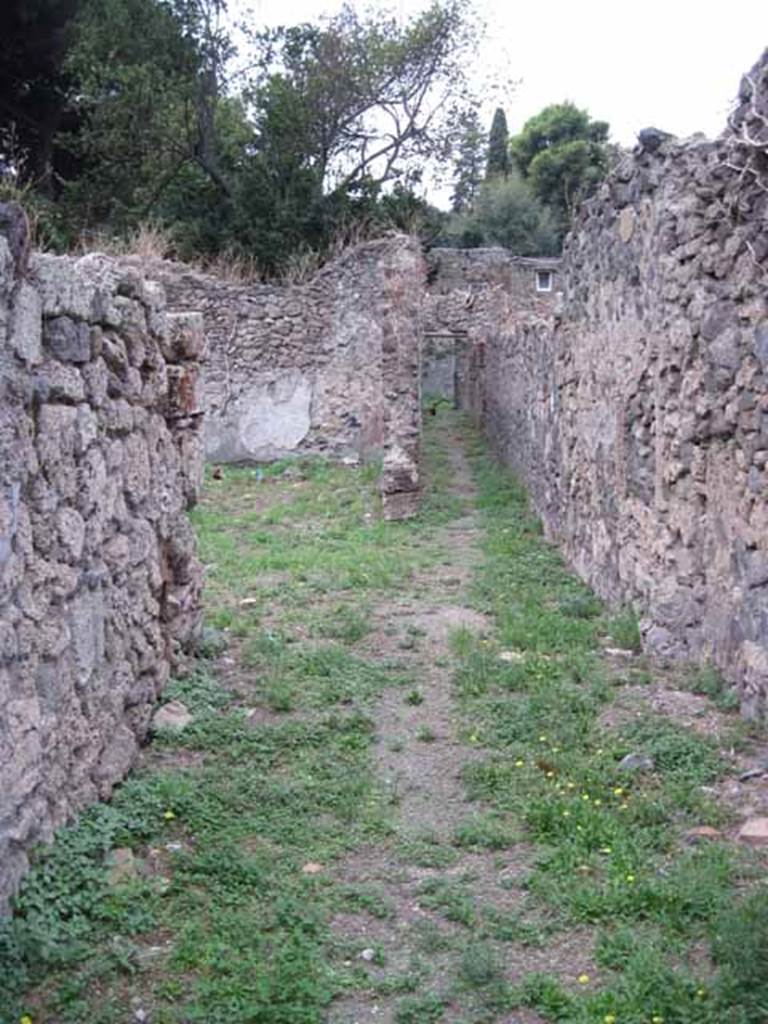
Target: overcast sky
671	64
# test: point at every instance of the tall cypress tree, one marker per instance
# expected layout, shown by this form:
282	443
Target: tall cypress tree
498	146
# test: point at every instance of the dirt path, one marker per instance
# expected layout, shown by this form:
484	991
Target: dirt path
419	757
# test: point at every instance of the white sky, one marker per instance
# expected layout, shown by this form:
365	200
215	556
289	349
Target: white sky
670	64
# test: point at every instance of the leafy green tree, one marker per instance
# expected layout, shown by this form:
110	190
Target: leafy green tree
367	100
563	154
498	146
135	73
334	125
35	36
505	213
470	161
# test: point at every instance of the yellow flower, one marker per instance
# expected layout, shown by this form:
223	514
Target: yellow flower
624	807
169	815
630	878
550	775
566	814
25	1019
701	993
605	849
585	796
519	763
597	803
657	1019
571	785
542	739
609	1018
583	979
473	738
618	791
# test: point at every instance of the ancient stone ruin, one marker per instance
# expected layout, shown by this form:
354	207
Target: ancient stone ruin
638	412
100	458
627	385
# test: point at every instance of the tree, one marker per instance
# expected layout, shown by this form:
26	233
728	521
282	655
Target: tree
34	39
367	100
330	124
498	146
470	161
563	154
505	213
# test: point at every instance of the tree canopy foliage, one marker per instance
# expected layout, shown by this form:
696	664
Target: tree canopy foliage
114	111
498	145
562	153
532	184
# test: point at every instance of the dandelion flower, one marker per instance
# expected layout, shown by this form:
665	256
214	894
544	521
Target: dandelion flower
585	796
606	849
609	1018
542	739
701	993
169	815
618	791
597	802
583	979
519	763
25	1019
630	878
566	814
657	1019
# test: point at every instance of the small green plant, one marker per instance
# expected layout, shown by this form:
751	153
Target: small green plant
709	681
420	1009
624	630
480	965
414	697
425	734
489	831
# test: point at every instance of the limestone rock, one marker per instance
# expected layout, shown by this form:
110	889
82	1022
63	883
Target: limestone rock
173	716
122	866
637	761
754	831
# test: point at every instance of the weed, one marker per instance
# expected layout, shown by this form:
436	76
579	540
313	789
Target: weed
624	630
708	680
479	965
449	897
414	697
420	1009
489	831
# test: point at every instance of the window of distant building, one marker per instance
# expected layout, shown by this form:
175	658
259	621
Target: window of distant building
544	280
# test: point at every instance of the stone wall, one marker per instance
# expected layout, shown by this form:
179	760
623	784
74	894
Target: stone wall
466	288
639	415
297	369
99	585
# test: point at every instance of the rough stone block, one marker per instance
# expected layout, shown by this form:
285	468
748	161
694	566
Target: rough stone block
68	340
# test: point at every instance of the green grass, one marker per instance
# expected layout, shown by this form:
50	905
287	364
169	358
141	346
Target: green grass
609	848
239	822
